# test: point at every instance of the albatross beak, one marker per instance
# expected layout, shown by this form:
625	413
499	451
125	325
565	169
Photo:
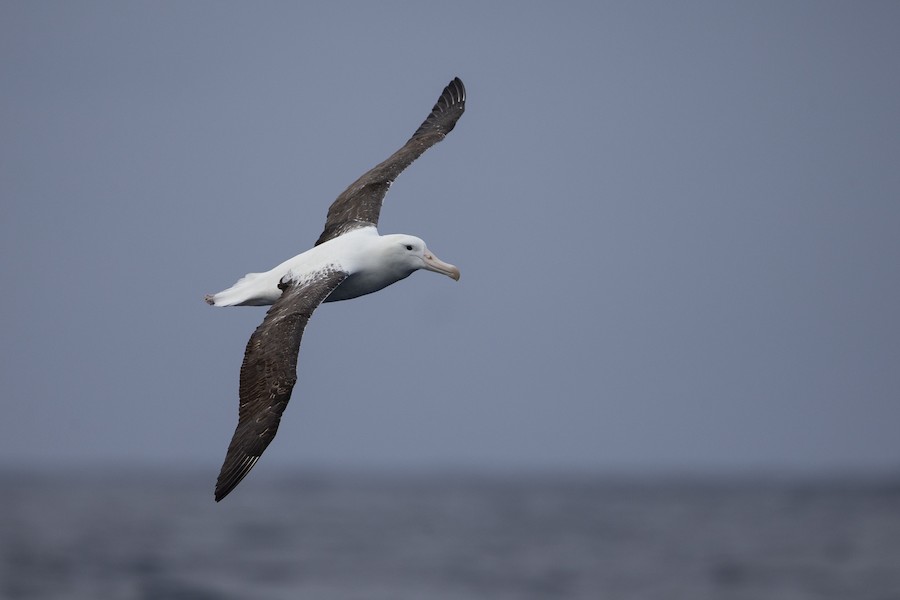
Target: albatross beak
433	263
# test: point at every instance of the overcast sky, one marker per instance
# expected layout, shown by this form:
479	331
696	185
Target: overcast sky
678	225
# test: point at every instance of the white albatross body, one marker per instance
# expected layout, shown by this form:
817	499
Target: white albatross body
349	259
371	261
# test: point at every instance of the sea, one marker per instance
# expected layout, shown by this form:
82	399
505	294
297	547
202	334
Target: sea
142	533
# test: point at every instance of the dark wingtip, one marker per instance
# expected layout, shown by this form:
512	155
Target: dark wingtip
454	94
456	87
446	111
227	482
223	488
233	472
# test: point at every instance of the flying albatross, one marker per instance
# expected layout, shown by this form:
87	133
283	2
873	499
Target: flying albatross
349	259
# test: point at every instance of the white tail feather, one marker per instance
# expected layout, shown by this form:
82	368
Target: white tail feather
249	290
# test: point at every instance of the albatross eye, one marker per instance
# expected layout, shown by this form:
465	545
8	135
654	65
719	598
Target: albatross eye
409	246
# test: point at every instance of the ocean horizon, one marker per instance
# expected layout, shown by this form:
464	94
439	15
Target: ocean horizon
145	533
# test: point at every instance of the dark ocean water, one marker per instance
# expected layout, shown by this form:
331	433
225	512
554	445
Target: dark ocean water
150	535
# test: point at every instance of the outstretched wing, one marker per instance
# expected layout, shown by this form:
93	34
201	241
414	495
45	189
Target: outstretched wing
360	204
269	372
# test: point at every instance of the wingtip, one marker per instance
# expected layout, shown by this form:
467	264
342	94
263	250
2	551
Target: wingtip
460	88
233	472
224	488
454	94
446	111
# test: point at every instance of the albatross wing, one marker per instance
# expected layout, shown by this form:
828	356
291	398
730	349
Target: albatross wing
360	204
269	371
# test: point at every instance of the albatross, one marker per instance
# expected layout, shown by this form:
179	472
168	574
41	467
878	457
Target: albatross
350	259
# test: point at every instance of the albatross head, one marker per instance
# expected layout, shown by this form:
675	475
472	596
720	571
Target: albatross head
412	253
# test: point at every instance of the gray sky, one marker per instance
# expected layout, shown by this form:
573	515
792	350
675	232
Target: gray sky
677	225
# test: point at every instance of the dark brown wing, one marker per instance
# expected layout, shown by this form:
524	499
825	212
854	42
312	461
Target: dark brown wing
360	204
269	372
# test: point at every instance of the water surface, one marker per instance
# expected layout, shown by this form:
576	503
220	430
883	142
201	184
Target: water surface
147	534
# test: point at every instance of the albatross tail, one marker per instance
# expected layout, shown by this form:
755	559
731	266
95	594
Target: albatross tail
250	290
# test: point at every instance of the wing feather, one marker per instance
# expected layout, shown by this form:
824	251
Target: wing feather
269	372
360	204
